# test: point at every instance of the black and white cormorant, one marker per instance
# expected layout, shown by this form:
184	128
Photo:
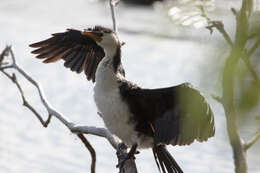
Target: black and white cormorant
141	118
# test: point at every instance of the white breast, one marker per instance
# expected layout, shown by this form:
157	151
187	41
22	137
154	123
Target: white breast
114	110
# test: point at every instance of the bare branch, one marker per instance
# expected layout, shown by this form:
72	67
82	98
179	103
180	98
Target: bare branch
252	141
46	104
101	132
113	4
79	130
91	150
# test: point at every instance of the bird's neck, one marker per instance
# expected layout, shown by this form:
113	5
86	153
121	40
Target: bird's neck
107	75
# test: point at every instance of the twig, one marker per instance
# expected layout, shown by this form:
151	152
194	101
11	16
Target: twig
113	4
216	24
254	47
220	27
2	55
252	141
91	150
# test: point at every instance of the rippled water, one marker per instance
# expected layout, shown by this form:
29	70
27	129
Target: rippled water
156	54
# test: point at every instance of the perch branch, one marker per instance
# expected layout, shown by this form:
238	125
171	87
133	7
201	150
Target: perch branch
79	130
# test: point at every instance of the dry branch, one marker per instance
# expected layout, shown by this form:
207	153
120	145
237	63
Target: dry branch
113	4
79	130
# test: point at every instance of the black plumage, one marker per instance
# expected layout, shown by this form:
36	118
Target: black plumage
79	51
164	160
178	115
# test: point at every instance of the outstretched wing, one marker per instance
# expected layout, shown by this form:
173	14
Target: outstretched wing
176	115
79	51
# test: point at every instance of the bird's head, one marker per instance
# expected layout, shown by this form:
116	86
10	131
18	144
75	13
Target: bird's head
105	38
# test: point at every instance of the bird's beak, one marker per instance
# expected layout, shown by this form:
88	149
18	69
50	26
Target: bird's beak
93	36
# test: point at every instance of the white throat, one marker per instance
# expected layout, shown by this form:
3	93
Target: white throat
109	43
106	78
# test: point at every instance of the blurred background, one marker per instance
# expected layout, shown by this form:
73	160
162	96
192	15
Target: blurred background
162	49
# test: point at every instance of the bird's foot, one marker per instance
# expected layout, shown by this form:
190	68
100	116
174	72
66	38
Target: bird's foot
128	155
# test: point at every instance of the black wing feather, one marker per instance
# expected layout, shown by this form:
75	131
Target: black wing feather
179	115
189	119
72	46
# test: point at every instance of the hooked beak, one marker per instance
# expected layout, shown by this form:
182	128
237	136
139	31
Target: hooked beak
93	36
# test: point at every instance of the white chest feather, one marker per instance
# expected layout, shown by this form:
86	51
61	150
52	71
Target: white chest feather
114	111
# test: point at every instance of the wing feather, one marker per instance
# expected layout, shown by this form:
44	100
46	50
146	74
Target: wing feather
178	115
79	63
56	58
79	52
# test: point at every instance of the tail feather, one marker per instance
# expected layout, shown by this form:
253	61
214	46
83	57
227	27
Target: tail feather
164	160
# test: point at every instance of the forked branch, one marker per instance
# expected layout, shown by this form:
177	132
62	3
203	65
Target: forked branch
79	130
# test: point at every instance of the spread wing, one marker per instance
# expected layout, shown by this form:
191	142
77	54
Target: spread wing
79	51
176	115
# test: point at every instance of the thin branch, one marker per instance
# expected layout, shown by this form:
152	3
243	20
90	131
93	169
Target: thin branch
4	54
113	4
29	106
254	47
220	27
6	67
91	150
252	141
